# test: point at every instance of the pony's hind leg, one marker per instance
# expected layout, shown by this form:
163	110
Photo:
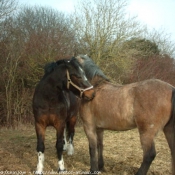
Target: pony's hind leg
149	152
40	132
71	131
65	140
169	134
59	146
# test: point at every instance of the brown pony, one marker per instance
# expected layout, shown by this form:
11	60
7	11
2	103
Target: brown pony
148	105
53	104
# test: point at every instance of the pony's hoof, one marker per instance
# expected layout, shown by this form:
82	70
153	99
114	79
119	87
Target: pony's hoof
59	170
94	172
38	173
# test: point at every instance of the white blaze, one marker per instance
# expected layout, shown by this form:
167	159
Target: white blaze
83	74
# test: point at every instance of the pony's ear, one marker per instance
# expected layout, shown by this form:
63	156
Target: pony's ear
67	62
80	59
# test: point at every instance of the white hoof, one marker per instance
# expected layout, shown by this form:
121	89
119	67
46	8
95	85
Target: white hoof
40	164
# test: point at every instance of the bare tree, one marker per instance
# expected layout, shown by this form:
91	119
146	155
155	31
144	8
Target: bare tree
6	8
101	28
163	40
154	66
32	37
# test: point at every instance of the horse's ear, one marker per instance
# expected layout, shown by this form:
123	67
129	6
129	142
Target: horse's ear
80	59
67	62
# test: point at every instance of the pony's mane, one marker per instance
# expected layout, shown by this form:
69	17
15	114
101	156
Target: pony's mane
49	67
90	68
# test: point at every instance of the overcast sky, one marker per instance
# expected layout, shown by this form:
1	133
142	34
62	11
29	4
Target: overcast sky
158	14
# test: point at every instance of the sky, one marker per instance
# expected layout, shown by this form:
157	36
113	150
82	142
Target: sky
156	14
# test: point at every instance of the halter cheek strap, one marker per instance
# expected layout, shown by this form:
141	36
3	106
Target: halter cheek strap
69	81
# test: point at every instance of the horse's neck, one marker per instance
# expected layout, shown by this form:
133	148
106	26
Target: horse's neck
98	81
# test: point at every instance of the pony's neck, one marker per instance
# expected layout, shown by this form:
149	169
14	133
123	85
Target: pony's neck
97	81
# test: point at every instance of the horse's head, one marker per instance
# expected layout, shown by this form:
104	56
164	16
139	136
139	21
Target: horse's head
76	80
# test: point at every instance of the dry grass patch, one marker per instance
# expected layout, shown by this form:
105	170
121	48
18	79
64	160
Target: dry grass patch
122	152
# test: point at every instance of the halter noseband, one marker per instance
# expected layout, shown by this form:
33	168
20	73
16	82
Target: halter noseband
69	81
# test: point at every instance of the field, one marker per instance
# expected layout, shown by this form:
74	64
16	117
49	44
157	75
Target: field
122	153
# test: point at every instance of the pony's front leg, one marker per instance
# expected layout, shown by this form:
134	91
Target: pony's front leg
100	148
92	138
59	147
40	132
93	153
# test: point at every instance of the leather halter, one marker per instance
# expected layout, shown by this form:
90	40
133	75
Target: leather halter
69	81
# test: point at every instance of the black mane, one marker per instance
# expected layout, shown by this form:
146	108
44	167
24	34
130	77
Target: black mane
49	67
91	69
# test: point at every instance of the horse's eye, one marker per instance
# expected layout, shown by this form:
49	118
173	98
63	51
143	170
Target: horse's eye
75	76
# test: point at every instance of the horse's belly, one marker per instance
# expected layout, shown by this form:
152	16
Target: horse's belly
114	122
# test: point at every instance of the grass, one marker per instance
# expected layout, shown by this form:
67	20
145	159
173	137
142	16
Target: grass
122	152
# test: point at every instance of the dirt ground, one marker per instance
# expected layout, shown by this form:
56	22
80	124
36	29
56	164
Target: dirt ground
122	153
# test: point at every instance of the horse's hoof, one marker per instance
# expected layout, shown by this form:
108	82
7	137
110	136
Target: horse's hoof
38	173
102	170
94	172
59	170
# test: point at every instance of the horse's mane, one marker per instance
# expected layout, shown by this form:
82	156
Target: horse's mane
49	67
91	69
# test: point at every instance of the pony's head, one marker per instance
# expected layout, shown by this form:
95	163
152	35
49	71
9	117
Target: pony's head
76	80
68	74
90	68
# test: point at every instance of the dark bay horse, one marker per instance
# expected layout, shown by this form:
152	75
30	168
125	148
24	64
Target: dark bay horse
53	103
148	105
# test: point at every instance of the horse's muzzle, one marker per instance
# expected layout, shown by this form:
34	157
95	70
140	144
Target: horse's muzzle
89	95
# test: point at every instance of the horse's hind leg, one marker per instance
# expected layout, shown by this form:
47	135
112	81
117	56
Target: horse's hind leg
65	139
100	148
168	131
149	151
40	132
59	145
71	131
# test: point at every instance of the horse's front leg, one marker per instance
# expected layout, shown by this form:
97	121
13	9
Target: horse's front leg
100	148
40	132
92	138
59	147
71	131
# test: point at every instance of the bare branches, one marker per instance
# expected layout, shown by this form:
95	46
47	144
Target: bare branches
6	8
102	32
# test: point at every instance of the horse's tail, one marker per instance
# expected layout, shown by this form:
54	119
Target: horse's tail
172	134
